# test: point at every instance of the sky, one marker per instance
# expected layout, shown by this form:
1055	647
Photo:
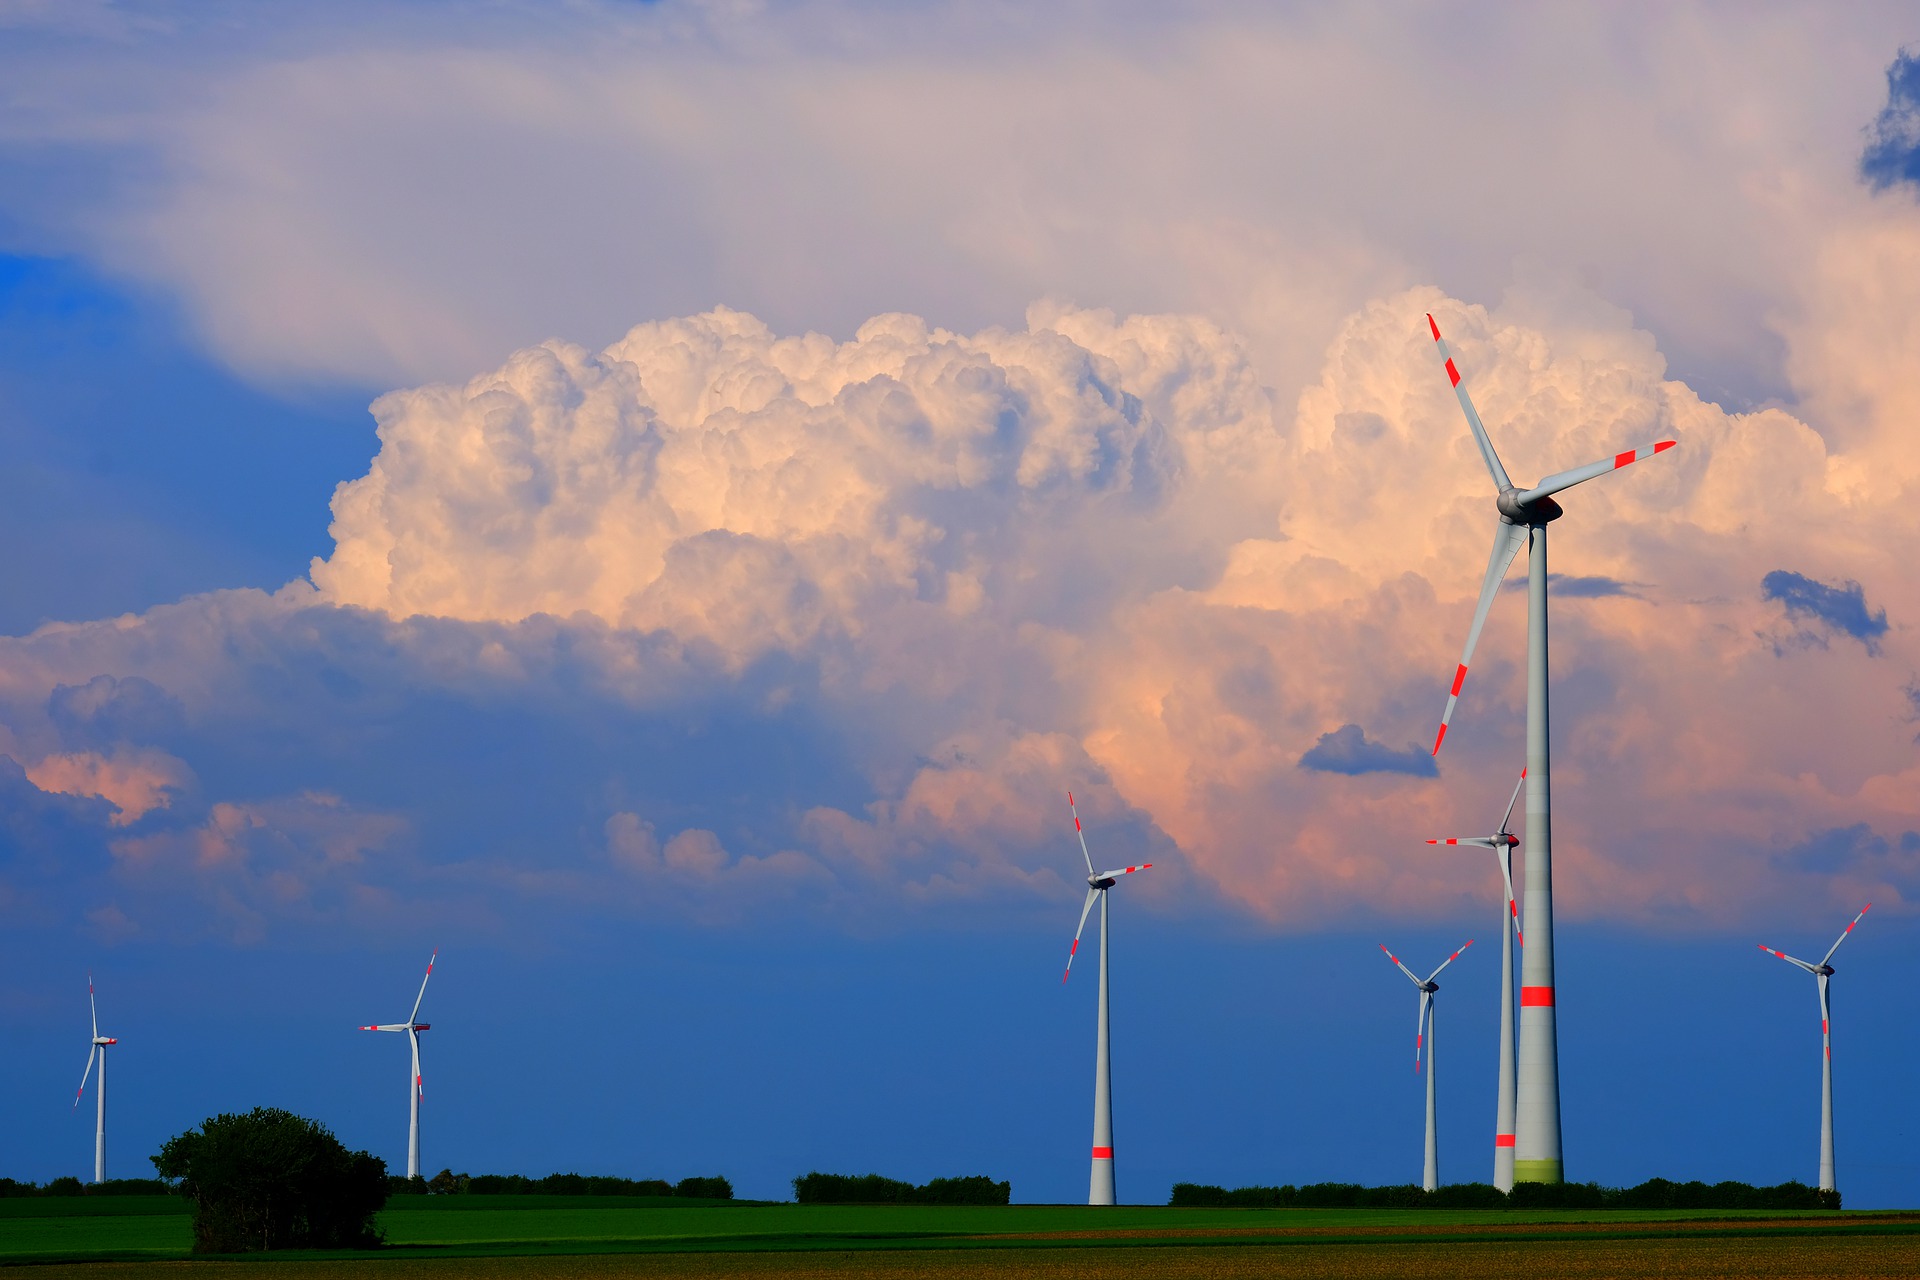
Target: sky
660	503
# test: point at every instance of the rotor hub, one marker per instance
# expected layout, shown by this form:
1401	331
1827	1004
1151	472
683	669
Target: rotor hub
1514	511
1825	971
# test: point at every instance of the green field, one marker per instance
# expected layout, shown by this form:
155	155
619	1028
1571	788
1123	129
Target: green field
536	1237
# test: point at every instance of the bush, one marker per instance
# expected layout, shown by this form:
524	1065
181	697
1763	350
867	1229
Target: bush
272	1180
1656	1193
839	1188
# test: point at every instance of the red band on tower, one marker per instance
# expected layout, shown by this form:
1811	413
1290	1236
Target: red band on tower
1537	995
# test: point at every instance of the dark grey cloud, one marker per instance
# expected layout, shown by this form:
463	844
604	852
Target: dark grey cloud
1892	155
1841	608
1574	587
1347	750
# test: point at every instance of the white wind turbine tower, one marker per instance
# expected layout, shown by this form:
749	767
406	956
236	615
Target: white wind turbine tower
98	1047
1522	515
413	1027
1822	972
1423	1033
1502	843
1100	1183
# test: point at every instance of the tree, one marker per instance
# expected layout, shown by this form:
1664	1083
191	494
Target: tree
272	1180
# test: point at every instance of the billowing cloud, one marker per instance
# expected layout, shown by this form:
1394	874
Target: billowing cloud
713	619
135	783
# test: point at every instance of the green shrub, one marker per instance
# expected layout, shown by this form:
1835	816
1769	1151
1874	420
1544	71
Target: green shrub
272	1180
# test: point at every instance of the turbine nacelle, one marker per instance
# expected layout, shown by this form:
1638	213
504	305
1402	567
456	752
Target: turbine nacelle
106	1040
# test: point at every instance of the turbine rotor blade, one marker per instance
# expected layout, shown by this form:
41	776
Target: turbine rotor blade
1411	976
1506	545
1092	893
91	1050
1843	934
1826	1020
1450	959
1477	842
1420	1027
93	1008
1078	832
1499	473
1507	817
1513	905
1567	479
423	987
1124	871
1789	959
418	1091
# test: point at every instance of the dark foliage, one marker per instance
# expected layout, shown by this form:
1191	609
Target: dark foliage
272	1180
837	1188
1657	1193
74	1187
447	1182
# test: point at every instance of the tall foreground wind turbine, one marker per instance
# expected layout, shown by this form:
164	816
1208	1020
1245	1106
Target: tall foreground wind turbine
1100	1183
1821	973
98	1048
413	1027
1423	1033
1522	515
1502	843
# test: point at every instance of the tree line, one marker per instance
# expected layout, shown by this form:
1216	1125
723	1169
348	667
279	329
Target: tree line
839	1188
449	1183
1655	1193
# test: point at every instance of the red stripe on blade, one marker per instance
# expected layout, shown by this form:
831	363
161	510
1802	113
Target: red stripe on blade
1537	995
1459	678
1622	459
1439	738
1453	372
1663	446
1431	325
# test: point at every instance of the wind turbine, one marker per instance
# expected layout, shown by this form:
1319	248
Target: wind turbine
1423	1032
1100	1183
413	1027
1523	516
98	1047
1822	972
1502	843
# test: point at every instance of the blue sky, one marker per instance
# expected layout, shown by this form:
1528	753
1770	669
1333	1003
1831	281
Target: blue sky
707	698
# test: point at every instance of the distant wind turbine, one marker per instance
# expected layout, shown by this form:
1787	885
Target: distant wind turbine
98	1046
1522	515
1423	1033
1100	1185
1822	973
415	1091
1502	843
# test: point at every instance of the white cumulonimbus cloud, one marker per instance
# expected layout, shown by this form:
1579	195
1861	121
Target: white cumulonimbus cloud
839	621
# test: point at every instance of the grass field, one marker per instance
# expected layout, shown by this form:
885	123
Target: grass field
552	1237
